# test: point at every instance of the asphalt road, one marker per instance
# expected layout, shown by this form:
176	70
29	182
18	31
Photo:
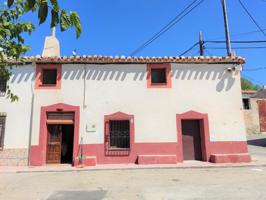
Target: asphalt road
245	183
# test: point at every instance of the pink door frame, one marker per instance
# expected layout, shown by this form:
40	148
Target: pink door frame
204	133
38	152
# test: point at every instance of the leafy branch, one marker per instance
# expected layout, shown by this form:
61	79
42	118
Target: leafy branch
12	44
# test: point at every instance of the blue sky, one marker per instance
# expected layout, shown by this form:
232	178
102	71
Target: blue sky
117	27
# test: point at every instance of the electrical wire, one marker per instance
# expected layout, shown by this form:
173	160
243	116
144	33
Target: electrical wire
237	42
241	34
255	69
251	17
189	49
263	47
169	25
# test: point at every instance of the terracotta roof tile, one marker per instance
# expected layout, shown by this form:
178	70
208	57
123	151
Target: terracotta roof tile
128	59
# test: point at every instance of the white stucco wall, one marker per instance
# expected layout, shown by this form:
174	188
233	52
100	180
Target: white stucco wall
18	113
205	88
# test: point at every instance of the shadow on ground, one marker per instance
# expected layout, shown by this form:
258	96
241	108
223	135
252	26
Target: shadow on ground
257	142
77	195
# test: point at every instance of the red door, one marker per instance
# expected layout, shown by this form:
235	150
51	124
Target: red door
262	114
191	140
54	142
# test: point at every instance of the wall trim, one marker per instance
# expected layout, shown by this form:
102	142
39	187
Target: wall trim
38	76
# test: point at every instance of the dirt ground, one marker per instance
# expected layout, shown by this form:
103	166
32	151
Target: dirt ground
214	183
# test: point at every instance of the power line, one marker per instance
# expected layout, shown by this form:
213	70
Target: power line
263	47
240	34
169	25
189	49
255	69
252	18
237	42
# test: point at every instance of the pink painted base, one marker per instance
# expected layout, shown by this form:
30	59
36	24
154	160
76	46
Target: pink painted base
230	158
87	161
153	153
156	159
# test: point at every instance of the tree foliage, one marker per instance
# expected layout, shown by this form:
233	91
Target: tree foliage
248	85
12	29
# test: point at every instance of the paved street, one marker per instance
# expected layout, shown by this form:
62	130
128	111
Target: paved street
222	183
169	183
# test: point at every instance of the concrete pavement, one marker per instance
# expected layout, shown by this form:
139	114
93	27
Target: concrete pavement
176	183
189	180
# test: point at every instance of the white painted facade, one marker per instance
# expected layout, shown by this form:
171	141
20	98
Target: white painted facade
109	88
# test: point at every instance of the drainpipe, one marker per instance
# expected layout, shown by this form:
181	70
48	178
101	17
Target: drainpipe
84	86
31	118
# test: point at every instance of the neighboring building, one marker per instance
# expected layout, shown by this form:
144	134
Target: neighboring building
123	110
254	105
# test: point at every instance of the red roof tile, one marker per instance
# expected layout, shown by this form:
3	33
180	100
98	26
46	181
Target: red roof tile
123	59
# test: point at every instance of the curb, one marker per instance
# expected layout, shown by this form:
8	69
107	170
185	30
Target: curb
135	168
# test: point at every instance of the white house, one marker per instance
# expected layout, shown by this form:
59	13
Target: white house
108	110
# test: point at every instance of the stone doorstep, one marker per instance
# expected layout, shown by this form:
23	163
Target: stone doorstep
230	158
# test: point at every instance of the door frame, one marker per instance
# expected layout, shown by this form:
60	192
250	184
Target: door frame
204	133
40	152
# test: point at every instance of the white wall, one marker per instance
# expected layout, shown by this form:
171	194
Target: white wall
112	88
205	88
18	113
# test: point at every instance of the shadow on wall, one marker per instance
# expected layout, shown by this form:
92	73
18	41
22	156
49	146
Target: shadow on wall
22	74
104	73
119	73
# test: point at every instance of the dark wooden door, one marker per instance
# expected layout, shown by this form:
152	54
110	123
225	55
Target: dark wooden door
54	142
191	140
262	114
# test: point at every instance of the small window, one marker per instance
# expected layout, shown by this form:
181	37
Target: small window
246	104
119	134
158	76
49	77
2	131
3	84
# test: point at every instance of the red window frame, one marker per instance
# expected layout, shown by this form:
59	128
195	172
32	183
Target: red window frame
39	76
167	67
118	151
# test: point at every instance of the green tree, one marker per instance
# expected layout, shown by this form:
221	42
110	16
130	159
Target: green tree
248	85
12	28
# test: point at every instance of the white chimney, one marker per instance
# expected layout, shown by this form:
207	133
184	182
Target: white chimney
51	46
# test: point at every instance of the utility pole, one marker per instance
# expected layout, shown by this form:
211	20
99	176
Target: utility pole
227	35
201	44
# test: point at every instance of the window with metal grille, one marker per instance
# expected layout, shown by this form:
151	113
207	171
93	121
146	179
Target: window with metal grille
119	134
49	76
246	104
2	130
158	76
3	83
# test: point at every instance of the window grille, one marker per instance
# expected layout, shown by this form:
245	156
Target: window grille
118	138
3	84
2	130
